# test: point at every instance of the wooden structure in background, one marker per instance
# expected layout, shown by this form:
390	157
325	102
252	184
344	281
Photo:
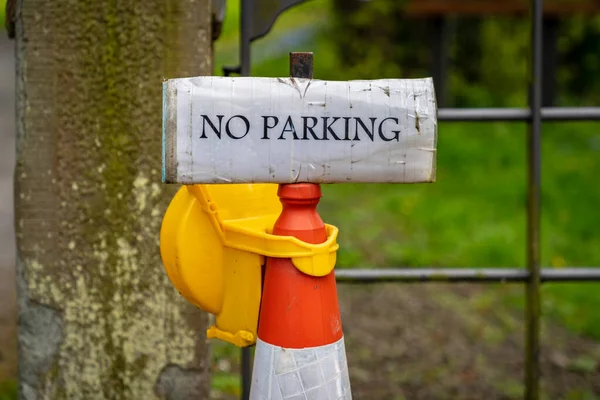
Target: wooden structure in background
498	7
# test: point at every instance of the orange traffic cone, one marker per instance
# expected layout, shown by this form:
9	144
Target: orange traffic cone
300	351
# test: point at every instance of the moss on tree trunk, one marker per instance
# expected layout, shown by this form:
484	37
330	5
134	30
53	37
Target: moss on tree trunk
98	317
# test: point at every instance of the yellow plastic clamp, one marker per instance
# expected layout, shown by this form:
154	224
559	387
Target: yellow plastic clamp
213	242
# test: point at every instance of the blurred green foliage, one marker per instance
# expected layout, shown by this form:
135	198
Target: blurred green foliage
8	390
489	55
370	46
2	12
226	383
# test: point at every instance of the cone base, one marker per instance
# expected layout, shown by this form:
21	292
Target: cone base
313	373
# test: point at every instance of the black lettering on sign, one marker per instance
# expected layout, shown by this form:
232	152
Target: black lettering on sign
267	126
346	127
228	129
382	136
238	126
217	132
308	128
288	127
327	128
370	133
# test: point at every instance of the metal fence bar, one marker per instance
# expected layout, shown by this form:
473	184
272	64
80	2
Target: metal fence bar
474	275
532	288
518	114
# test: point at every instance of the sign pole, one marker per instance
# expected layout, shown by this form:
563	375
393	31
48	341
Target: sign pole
245	41
245	36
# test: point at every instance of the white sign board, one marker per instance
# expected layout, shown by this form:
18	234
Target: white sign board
288	130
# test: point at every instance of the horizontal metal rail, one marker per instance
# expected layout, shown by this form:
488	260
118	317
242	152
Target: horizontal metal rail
464	275
518	114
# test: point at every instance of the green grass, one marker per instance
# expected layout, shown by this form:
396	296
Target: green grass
8	390
2	12
474	215
226	383
226	380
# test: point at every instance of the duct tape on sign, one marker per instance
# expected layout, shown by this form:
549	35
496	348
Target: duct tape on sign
288	130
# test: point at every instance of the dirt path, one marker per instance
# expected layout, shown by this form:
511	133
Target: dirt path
441	342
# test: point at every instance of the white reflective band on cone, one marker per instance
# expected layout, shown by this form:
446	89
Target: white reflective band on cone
314	373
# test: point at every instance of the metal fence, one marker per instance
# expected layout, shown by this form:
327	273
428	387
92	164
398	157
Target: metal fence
533	275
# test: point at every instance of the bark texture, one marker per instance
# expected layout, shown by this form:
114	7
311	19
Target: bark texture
98	318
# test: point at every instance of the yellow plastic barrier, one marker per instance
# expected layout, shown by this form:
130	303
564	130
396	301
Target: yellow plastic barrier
213	241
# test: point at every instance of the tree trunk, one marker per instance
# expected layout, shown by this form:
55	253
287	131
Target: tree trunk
98	318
